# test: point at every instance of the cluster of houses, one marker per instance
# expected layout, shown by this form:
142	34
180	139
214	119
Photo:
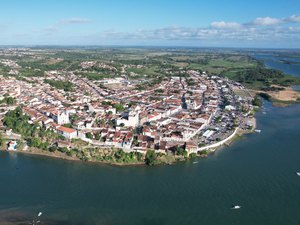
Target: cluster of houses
163	117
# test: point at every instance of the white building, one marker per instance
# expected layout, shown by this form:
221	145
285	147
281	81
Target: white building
132	121
61	117
67	132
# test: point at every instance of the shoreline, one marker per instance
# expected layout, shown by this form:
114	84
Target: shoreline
284	97
61	156
69	158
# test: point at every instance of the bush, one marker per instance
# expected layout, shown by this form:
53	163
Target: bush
52	149
257	101
193	155
150	158
63	149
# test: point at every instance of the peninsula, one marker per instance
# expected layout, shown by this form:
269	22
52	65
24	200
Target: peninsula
123	106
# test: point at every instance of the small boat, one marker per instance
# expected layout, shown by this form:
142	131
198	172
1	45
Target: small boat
35	220
236	207
298	173
195	162
257	131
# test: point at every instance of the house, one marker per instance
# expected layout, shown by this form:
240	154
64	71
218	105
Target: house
230	108
67	132
12	146
8	132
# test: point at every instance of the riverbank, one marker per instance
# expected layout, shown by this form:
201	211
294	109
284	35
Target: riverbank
117	157
281	97
166	159
62	156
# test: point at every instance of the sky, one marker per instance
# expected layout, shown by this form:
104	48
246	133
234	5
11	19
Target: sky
199	23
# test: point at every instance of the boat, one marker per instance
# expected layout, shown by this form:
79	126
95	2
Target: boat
298	173
257	131
236	207
36	220
195	162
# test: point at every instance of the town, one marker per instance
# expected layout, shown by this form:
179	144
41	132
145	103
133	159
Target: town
186	112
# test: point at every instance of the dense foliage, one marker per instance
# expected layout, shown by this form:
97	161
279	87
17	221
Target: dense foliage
257	101
150	158
35	135
59	84
8	100
258	74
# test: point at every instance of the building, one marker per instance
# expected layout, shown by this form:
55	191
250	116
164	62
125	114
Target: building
67	132
12	146
61	117
132	121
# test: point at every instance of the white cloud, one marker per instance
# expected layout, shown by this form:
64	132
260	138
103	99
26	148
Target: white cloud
263	30
225	25
75	21
55	28
293	18
245	34
267	21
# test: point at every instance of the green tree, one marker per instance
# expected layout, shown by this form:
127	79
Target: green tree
180	151
89	135
257	101
1	140
118	107
150	158
52	149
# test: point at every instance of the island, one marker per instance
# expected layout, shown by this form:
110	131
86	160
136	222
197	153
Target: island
129	106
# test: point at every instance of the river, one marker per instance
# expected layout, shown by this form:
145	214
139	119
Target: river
287	63
257	172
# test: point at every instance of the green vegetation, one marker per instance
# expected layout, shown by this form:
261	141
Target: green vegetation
95	76
150	158
1	140
265	96
261	78
119	107
257	101
35	135
204	152
123	157
59	84
7	100
180	152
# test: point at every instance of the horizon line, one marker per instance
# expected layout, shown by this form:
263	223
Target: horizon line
147	46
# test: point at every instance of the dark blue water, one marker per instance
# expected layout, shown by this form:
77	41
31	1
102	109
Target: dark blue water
257	172
296	87
276	61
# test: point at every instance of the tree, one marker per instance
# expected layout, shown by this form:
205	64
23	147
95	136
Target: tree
180	151
33	142
120	155
1	140
139	156
97	136
8	100
89	135
52	149
60	84
118	107
257	101
150	157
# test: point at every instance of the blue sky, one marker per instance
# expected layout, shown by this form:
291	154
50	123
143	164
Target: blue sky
223	23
